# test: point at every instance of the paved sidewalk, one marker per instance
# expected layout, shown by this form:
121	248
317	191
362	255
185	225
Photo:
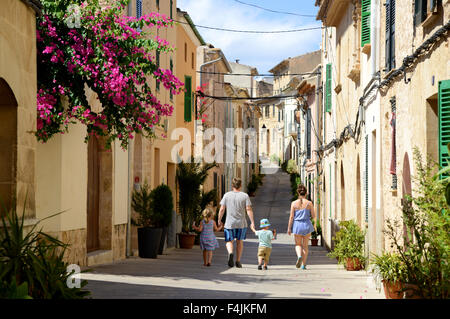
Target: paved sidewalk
180	273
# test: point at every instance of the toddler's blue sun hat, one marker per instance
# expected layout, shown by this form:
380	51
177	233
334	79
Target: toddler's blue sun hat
264	223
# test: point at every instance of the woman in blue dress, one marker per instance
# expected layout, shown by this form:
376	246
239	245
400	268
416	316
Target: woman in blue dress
302	211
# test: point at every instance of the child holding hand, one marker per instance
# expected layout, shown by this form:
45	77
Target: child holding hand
208	241
265	237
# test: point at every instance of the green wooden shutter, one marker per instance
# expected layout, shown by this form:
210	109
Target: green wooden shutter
390	35
444	121
328	88
187	98
365	22
420	11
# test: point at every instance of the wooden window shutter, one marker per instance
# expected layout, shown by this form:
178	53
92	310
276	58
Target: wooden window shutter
420	11
138	8
138	11
444	121
328	88
390	35
365	22
187	98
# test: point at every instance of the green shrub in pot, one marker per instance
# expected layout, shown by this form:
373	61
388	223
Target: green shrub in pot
349	244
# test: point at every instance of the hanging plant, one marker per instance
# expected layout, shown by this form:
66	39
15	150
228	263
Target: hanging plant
109	53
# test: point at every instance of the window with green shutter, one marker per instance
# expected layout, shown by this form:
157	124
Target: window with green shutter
420	11
390	35
365	22
444	121
328	88
187	98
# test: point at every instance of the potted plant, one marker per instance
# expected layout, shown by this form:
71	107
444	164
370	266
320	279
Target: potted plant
190	177
148	221
391	271
316	233
161	203
420	234
349	246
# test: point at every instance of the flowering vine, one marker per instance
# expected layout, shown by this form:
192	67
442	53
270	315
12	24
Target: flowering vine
109	53
201	102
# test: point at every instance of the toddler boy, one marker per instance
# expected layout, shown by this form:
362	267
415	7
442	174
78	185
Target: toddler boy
265	237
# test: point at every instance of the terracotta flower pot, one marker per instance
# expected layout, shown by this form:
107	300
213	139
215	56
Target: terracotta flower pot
186	240
393	290
314	241
353	264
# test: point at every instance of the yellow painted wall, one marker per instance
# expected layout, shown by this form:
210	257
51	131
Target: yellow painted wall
18	69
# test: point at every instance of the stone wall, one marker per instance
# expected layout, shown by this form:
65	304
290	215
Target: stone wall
416	98
18	69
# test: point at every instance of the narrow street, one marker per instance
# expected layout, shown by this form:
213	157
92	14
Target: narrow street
179	273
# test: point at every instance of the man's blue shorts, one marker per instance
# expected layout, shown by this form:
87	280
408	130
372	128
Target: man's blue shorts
235	233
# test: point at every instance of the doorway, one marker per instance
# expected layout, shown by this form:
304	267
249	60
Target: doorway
93	198
8	145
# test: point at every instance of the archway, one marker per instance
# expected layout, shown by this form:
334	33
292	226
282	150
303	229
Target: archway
8	145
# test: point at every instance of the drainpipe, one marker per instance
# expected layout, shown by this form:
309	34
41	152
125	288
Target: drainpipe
318	108
374	6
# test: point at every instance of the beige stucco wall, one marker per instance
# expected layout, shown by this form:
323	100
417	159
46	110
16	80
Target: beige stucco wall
61	180
186	37
413	128
341	47
18	69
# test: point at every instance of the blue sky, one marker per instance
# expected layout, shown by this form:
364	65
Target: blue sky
262	51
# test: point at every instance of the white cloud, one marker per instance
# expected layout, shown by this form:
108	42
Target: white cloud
261	50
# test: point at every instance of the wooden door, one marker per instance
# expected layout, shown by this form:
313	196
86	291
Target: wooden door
93	196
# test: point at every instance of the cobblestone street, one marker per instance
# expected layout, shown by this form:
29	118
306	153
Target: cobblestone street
179	273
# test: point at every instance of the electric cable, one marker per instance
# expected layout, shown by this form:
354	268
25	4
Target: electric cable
275	11
258	75
251	31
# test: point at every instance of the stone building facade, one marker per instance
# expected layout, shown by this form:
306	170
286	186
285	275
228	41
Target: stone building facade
213	65
18	89
414	87
384	69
